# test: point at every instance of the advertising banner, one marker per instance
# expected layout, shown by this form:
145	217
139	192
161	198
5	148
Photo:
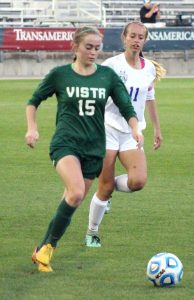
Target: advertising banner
159	39
37	39
59	39
174	38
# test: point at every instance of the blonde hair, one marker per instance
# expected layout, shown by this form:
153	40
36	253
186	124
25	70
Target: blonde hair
160	70
80	33
125	29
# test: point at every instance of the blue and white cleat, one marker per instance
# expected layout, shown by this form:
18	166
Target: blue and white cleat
92	241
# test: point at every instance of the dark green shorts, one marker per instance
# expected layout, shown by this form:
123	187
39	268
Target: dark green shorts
91	166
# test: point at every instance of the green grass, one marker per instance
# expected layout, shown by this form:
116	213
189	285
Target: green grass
158	218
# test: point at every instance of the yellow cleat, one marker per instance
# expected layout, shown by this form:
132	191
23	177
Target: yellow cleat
44	254
43	268
42	258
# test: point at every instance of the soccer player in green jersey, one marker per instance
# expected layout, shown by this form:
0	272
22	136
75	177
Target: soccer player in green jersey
78	144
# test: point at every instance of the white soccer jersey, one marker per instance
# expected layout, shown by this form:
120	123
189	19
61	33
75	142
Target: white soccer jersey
139	84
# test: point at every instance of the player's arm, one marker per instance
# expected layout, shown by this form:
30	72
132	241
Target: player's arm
152	109
159	72
32	134
45	89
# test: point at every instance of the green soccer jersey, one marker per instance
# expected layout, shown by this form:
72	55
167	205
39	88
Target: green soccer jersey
81	104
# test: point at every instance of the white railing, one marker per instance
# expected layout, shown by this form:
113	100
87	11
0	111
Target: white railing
105	13
55	11
79	11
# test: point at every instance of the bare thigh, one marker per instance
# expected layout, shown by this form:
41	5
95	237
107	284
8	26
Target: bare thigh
76	187
106	180
134	162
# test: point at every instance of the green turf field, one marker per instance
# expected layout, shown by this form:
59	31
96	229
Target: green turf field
159	218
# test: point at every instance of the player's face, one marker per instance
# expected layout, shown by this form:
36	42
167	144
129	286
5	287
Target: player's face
88	49
135	38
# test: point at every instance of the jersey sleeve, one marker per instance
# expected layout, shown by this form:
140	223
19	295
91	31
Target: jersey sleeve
121	98
44	90
151	93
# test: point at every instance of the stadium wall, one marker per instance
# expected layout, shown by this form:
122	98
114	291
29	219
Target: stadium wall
37	64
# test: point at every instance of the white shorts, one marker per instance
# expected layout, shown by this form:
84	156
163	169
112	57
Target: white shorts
117	140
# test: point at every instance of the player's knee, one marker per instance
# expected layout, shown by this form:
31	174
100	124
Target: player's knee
75	197
136	185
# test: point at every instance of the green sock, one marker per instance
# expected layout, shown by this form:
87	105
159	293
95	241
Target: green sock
47	234
59	223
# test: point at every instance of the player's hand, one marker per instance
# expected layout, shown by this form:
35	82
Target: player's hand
157	142
31	137
139	138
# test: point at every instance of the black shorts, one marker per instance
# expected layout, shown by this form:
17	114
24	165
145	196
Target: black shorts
91	166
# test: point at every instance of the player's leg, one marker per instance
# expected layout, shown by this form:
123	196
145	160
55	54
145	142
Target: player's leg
99	201
75	189
73	195
134	161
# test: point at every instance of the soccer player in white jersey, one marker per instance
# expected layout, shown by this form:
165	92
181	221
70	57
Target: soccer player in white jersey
138	74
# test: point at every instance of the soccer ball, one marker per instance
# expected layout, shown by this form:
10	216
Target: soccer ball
165	269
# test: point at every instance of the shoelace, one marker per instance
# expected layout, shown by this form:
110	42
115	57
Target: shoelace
95	239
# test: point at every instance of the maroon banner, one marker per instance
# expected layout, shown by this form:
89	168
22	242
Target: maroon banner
37	39
53	39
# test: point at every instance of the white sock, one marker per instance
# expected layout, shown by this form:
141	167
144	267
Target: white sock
97	209
121	183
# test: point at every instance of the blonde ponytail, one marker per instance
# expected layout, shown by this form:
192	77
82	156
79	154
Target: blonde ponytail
160	71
